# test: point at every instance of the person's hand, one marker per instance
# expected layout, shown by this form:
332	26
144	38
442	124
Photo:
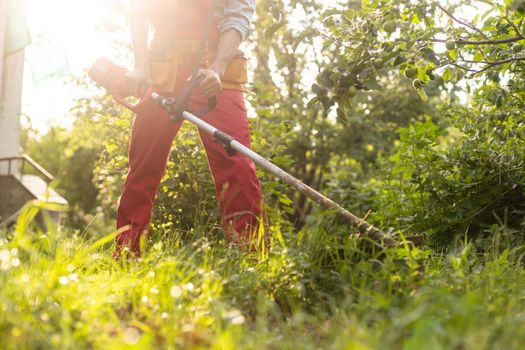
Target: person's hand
210	82
136	82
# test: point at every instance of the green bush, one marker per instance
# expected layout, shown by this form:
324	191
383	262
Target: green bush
473	185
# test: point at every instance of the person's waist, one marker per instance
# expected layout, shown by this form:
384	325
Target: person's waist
182	45
187	50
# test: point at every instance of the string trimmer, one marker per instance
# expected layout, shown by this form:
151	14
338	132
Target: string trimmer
104	68
111	76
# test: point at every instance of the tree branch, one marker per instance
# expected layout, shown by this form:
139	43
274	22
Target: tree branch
461	67
482	42
463	23
497	63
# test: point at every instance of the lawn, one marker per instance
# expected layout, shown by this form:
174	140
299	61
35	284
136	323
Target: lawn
317	290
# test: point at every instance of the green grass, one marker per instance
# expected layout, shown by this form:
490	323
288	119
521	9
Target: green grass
313	291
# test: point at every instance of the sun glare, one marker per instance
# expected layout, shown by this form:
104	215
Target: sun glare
66	39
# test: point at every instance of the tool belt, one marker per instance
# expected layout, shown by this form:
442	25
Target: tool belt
165	58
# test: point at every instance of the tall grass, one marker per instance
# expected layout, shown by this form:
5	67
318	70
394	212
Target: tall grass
316	290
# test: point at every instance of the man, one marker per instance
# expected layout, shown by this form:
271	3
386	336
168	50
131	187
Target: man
166	64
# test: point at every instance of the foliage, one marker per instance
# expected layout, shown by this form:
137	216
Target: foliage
472	183
70	154
310	140
424	41
187	188
474	186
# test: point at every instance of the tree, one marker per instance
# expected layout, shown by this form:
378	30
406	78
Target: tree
440	181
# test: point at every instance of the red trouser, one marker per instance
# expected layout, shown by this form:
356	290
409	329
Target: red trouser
237	187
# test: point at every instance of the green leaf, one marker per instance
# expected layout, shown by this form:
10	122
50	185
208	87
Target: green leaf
350	14
422	75
367	4
422	94
285	200
478	56
447	74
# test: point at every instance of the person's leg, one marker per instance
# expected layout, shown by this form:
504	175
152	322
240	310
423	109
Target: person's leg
151	138
237	186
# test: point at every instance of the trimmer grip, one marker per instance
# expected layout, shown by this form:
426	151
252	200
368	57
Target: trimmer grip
111	77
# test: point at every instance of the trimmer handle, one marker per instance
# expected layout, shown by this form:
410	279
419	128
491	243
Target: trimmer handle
111	76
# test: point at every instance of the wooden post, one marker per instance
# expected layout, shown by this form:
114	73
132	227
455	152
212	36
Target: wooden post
3	27
11	75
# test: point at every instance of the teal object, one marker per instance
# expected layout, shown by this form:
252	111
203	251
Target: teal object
46	60
17	31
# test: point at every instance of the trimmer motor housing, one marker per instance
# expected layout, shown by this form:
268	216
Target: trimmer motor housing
112	77
109	75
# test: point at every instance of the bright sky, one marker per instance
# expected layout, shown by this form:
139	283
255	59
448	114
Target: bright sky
65	41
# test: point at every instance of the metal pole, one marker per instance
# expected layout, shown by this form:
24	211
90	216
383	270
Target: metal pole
365	229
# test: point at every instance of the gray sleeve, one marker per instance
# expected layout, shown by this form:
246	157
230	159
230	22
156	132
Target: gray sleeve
237	14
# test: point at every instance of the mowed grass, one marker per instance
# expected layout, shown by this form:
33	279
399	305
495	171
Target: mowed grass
317	290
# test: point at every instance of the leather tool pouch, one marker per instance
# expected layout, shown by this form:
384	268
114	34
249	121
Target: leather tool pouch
237	71
163	67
